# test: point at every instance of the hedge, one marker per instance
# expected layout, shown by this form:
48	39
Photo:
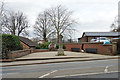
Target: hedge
10	43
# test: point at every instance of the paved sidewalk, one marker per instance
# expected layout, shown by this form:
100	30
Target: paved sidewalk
50	57
52	54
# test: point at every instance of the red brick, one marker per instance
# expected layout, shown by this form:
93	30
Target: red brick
102	49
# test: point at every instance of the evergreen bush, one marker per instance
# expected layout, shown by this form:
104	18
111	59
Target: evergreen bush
10	43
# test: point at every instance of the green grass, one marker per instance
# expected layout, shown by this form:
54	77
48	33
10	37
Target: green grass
60	54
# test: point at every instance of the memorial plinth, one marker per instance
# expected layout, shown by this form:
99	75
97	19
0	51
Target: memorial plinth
60	50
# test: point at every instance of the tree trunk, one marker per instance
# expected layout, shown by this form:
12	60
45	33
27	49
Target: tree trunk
18	33
45	39
57	37
13	32
44	36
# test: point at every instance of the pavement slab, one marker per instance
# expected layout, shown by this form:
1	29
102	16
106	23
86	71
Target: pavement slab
50	57
52	54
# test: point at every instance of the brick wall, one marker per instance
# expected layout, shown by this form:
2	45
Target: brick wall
20	53
118	44
84	39
39	50
101	48
25	46
73	45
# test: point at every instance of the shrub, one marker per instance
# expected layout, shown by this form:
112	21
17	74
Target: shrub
10	43
57	46
43	46
61	54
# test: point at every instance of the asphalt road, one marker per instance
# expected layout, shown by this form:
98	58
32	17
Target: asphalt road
68	69
100	75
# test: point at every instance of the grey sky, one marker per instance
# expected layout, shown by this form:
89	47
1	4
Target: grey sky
92	15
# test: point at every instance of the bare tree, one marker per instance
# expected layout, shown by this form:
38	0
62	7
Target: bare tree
1	14
115	26
1	17
61	19
43	27
1	9
15	23
35	40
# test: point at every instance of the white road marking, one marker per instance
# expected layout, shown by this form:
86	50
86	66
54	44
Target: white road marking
10	73
48	74
106	69
82	74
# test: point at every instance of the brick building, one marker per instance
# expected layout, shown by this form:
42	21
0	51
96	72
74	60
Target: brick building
87	36
27	43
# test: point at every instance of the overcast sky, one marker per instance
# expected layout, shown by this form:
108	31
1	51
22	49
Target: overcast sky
92	15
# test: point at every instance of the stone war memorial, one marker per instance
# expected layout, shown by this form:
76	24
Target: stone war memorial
60	50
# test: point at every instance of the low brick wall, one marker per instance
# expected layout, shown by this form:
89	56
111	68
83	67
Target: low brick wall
101	48
20	53
39	50
118	45
72	45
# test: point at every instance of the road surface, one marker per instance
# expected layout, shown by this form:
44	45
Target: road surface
99	75
66	70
